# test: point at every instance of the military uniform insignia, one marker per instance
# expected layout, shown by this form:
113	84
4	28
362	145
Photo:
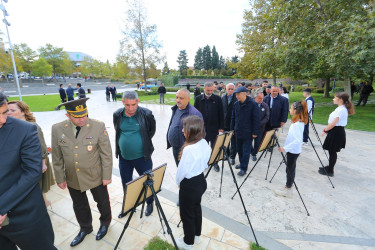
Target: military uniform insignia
105	132
62	136
87	125
89	148
66	125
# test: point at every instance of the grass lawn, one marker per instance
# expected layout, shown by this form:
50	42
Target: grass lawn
40	102
364	118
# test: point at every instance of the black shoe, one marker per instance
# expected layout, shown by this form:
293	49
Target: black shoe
323	172
122	215
254	157
321	168
238	166
241	173
217	168
102	232
149	209
80	237
232	161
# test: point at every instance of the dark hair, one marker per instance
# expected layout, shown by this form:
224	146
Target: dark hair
301	112
3	99
285	90
61	85
194	131
265	81
348	104
78	84
25	109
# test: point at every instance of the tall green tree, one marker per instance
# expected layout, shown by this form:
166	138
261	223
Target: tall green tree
165	68
140	43
222	63
41	68
182	61
26	56
198	60
207	57
55	56
215	59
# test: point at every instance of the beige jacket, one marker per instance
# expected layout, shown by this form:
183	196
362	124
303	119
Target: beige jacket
83	162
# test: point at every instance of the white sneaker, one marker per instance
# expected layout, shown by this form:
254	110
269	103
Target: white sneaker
182	245
197	240
305	144
285	192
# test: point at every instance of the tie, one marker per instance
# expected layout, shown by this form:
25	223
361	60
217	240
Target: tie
78	129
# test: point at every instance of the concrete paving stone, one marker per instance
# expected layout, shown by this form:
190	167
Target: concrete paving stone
319	245
63	229
217	245
88	243
212	230
344	211
234	240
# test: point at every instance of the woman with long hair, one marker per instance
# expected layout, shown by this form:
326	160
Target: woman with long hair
293	145
194	156
20	110
336	137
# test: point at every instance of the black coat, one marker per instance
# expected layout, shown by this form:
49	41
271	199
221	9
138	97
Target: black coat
162	90
264	116
113	91
213	114
20	195
82	93
107	90
279	111
228	109
62	94
147	124
197	92
245	119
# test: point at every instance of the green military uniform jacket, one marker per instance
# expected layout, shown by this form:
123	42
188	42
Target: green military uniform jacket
83	162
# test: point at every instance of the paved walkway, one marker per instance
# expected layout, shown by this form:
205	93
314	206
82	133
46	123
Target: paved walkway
340	218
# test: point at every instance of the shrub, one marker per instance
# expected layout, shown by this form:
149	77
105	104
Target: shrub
318	90
338	89
168	80
149	92
157	243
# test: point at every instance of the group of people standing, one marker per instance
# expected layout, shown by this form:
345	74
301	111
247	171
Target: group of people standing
111	90
68	94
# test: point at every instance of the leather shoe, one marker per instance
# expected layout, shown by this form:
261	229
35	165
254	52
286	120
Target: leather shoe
122	215
241	173
232	161
102	232
238	166
322	172
217	168
80	237
254	157
149	209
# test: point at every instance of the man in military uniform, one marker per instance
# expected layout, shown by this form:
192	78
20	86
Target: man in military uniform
82	160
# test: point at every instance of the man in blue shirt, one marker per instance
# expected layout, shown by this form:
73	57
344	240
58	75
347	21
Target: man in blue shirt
135	126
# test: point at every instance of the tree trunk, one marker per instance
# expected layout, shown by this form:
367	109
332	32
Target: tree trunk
326	87
347	86
274	79
371	79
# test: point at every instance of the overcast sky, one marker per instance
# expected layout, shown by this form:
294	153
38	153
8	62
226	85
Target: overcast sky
94	27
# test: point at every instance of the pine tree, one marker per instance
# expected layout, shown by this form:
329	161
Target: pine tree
215	59
182	61
198	60
165	69
207	58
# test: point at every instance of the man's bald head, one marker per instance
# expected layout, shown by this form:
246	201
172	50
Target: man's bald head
182	98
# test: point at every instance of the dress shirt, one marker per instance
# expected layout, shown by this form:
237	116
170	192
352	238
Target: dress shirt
309	107
193	161
271	101
293	142
340	112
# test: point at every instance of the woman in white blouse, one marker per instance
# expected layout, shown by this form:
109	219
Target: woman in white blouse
293	145
336	137
194	156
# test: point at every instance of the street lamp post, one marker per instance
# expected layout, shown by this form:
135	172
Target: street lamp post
5	21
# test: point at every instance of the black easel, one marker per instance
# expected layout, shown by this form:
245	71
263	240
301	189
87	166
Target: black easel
149	183
317	136
224	151
265	151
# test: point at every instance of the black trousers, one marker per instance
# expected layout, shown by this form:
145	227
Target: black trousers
190	196
108	97
232	147
82	208
176	152
362	98
290	170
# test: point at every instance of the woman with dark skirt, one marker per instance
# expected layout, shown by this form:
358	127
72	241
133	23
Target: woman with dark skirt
336	138
194	156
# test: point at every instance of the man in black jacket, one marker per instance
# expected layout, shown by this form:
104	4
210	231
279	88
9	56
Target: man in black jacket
62	93
162	91
197	90
264	117
81	91
228	100
135	126
367	89
279	106
211	108
24	220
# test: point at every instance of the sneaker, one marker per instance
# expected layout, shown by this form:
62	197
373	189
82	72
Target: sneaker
241	173
285	192
182	245
232	161
254	157
325	172
305	144
238	166
197	240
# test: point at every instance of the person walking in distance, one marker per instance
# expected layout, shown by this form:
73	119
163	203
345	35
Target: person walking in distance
108	93
135	126
62	93
211	108
82	160
113	91
162	91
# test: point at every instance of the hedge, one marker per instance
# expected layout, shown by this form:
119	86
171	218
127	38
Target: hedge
206	77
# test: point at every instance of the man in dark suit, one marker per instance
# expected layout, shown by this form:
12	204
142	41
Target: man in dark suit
264	117
81	91
228	100
62	93
211	108
278	109
24	221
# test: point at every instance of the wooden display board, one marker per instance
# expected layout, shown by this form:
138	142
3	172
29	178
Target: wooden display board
133	188
218	143
267	139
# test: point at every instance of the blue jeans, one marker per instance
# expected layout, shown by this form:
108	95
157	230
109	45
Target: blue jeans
244	149
127	167
257	142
